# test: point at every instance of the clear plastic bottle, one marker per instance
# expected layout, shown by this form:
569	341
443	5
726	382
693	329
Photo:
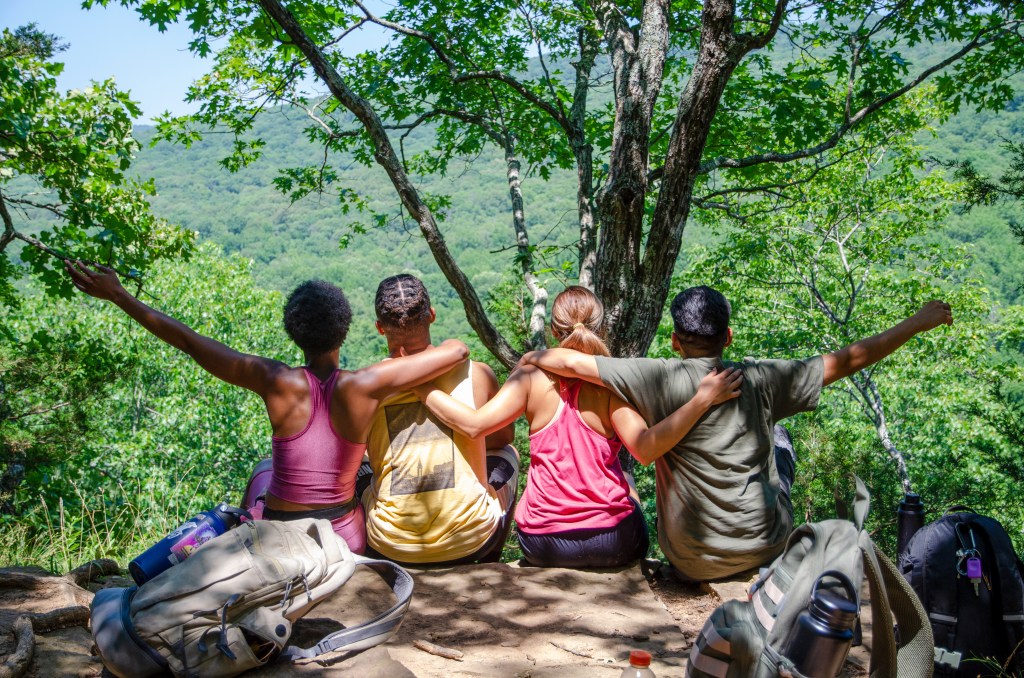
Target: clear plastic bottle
639	665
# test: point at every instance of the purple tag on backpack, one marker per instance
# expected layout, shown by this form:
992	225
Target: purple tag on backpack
974	568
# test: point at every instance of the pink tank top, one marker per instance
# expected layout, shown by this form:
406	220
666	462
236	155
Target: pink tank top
315	466
575	481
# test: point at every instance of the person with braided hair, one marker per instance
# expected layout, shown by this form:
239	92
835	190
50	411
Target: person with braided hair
577	509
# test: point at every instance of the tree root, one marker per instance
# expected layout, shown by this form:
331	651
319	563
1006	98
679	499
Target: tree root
17	662
83	574
44	622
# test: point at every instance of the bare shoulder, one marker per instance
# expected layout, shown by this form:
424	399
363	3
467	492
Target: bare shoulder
283	377
483	377
482	370
353	380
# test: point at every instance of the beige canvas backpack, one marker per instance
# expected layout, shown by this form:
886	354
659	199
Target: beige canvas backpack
230	607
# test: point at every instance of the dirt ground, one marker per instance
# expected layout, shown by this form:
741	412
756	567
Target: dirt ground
505	620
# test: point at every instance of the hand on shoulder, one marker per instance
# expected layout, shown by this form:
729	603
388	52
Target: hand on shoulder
720	385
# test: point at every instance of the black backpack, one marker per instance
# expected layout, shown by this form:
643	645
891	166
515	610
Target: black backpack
976	628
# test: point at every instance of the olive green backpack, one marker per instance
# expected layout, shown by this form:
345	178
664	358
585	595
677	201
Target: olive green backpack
742	639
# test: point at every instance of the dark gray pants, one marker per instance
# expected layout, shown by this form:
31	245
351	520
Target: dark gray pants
785	459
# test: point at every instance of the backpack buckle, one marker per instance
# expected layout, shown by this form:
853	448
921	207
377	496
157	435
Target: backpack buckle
947	657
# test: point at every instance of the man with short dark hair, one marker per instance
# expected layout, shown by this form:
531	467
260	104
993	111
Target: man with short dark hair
436	495
723	490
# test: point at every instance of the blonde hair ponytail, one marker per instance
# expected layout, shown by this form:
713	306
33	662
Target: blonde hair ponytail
577	321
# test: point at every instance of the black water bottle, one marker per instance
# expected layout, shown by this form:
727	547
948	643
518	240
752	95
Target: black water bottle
822	634
909	519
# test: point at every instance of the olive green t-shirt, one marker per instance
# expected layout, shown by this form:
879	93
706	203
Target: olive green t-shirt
720	510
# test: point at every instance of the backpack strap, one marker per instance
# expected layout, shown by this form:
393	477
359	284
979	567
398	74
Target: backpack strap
913	655
374	631
1009	576
939	595
861	502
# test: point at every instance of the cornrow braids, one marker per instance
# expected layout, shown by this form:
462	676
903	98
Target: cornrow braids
402	302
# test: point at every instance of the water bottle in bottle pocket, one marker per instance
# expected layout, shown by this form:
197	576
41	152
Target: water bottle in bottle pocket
822	635
184	540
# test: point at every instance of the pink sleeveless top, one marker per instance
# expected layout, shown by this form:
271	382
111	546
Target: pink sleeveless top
575	481
315	466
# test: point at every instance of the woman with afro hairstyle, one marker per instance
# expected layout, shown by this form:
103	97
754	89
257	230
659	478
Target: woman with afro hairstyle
319	414
577	509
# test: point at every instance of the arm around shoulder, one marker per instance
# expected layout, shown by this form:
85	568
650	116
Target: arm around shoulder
485	387
565	362
648	443
499	412
398	374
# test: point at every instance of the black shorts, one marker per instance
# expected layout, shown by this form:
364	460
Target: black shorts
603	547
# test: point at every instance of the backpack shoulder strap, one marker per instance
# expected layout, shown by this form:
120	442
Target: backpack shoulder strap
374	631
1009	578
891	596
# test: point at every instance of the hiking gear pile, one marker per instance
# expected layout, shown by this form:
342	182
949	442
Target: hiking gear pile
230	607
744	639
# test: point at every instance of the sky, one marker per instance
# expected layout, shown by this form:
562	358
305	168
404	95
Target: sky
155	67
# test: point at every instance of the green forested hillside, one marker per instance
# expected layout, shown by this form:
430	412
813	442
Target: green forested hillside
288	242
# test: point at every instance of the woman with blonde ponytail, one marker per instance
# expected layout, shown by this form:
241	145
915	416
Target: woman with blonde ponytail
576	510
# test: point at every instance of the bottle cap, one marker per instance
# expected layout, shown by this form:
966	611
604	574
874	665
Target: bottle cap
911	500
639	658
834	611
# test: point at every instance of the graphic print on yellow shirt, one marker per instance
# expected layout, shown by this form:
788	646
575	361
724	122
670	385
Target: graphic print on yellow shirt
411	425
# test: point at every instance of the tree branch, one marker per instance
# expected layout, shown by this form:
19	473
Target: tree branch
539	308
453	68
752	41
387	158
853	121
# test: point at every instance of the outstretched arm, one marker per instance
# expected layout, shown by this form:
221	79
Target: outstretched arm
565	362
248	371
867	352
500	411
647	444
381	379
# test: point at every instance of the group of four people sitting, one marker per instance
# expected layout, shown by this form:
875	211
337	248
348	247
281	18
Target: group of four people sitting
438	484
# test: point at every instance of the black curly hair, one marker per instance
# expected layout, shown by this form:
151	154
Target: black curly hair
402	302
317	317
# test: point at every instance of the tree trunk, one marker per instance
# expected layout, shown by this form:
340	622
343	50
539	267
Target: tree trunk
589	41
637	62
876	413
633	289
539	307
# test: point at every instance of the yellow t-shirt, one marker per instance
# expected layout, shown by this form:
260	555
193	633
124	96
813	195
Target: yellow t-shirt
426	503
